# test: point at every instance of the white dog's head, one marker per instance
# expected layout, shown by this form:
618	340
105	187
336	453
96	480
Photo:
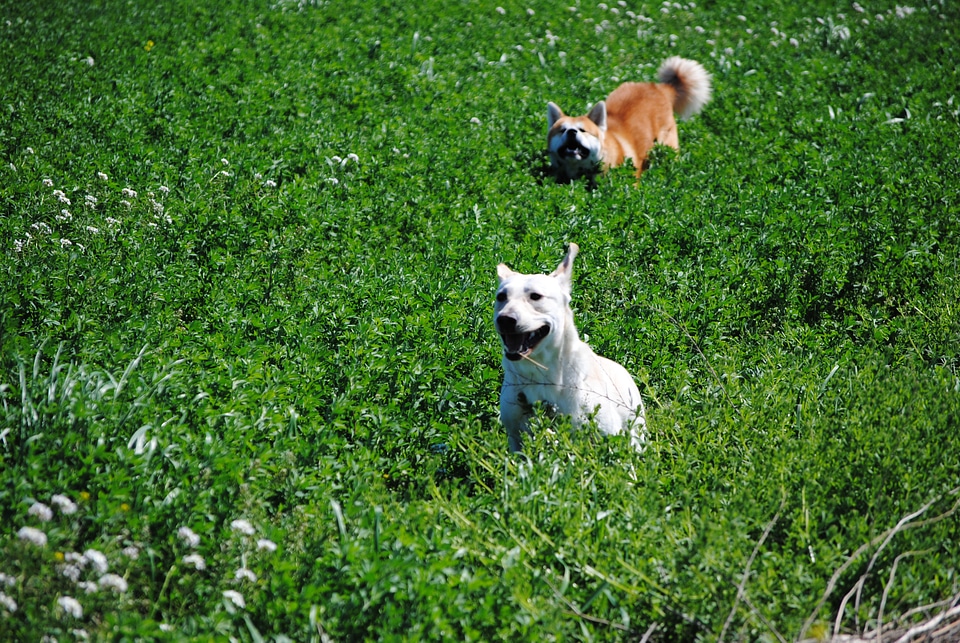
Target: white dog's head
532	312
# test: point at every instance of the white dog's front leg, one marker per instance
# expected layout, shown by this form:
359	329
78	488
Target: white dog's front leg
515	411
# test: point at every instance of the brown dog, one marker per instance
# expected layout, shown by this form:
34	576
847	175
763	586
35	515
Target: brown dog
628	123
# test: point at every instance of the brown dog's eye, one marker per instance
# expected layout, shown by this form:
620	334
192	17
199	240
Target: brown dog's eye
535	296
501	296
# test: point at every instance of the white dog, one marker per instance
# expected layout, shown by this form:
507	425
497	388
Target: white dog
545	361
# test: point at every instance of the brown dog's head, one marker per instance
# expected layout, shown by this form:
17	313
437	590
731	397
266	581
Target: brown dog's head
575	143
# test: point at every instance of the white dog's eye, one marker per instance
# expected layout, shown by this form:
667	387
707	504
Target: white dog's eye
501	296
535	296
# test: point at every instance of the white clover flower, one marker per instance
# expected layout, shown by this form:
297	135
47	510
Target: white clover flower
195	560
270	183
243	526
336	159
157	206
475	120
224	173
127	192
257	176
114	582
42	227
742	18
131	552
8	603
64	215
71	571
333	180
126	203
75	557
92	200
267	545
88	587
90	61
93	230
19	245
166	627
48	183
102	176
111	221
188	536
235	597
33	536
97	559
530	12
40	510
903	12
30	150
63	198
63	503
794	42
9	581
65	243
225	162
353	157
164	189
71	606
501	11
245	574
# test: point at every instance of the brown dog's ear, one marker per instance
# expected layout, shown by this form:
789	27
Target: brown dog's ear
554	114
564	272
599	115
503	272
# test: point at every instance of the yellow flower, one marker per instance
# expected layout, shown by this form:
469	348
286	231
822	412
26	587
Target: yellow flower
84	495
124	507
149	45
58	556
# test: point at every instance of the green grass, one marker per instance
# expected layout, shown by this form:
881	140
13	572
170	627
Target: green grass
235	319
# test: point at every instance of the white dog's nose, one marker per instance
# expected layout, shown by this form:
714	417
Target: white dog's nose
506	324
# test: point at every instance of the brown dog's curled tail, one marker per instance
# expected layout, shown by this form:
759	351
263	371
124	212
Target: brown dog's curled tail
691	81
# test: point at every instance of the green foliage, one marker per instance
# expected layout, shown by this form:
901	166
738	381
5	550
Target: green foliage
248	374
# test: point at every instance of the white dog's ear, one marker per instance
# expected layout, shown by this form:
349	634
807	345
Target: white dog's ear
503	272
554	114
599	115
564	272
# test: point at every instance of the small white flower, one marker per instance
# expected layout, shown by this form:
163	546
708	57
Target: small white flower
97	559
243	526
270	183
92	230
131	552
63	503
81	635
166	627
501	11
114	582
530	12
41	227
111	221
858	8
41	511
90	61
235	597
127	192
336	159
33	536
353	157
475	120
224	173
88	587
225	162
48	183
75	557
196	560
71	571
126	203
9	581
18	245
70	606
333	180
794	42
65	243
188	536
8	603
102	176
164	189
257	176
267	545
64	215
92	200
244	573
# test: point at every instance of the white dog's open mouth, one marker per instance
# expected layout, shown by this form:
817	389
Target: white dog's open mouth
519	345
